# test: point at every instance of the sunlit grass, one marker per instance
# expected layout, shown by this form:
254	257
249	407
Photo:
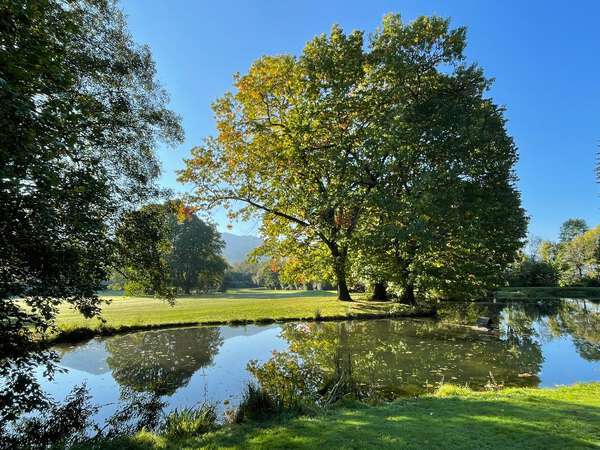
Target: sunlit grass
560	418
233	306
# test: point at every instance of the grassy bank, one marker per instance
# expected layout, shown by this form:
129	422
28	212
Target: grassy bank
540	293
238	306
559	418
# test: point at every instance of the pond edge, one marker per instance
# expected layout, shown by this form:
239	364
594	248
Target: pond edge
80	334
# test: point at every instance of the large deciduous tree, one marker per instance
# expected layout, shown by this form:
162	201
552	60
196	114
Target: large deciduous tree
290	145
388	146
446	216
186	256
196	261
80	114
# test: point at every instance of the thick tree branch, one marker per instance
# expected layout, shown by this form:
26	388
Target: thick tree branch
265	208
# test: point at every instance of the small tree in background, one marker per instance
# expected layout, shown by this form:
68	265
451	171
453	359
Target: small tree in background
196	261
571	229
578	260
187	255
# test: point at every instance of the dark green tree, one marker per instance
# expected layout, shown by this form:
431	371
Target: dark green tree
445	216
570	229
145	243
186	254
80	113
526	271
240	275
196	261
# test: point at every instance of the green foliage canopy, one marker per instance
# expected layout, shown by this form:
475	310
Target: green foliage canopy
185	255
80	112
347	146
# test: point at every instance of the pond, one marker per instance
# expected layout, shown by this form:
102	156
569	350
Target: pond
530	344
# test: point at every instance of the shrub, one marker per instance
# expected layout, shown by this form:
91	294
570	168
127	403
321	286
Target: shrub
529	272
190	421
287	381
256	404
452	390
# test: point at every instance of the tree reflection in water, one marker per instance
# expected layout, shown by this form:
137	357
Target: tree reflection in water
388	358
581	320
160	362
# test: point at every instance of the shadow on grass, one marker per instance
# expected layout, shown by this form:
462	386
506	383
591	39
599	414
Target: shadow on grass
433	423
466	423
271	294
250	293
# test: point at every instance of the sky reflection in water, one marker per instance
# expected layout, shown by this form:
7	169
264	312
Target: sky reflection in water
557	343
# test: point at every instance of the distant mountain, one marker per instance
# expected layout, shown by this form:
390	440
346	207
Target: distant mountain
237	247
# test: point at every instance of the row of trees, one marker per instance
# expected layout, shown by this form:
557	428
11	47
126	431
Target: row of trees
269	274
378	160
574	260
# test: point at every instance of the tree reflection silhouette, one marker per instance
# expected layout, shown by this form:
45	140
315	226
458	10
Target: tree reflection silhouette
581	320
162	361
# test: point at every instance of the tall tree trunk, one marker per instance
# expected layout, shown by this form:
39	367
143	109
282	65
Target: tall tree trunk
408	296
379	291
340	257
342	290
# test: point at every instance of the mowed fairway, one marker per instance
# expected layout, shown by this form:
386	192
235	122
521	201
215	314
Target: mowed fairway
235	305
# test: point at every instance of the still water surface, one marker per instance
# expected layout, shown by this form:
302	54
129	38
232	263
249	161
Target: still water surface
530	345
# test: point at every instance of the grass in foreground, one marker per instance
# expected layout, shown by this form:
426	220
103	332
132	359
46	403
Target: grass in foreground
515	293
559	418
243	305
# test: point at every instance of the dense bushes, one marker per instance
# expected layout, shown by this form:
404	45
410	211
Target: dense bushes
529	272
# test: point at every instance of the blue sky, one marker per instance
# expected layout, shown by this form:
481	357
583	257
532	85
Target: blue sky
544	56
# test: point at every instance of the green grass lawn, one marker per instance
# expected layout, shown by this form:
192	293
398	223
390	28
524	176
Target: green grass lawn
455	418
515	293
251	305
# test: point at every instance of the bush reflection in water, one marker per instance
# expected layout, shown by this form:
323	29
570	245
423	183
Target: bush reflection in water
384	359
322	363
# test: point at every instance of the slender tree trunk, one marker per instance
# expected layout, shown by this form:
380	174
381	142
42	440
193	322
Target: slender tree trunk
379	291
408	296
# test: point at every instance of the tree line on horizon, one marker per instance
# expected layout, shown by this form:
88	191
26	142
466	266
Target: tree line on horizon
574	260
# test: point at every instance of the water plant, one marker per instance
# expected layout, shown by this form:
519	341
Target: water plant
190	421
256	404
